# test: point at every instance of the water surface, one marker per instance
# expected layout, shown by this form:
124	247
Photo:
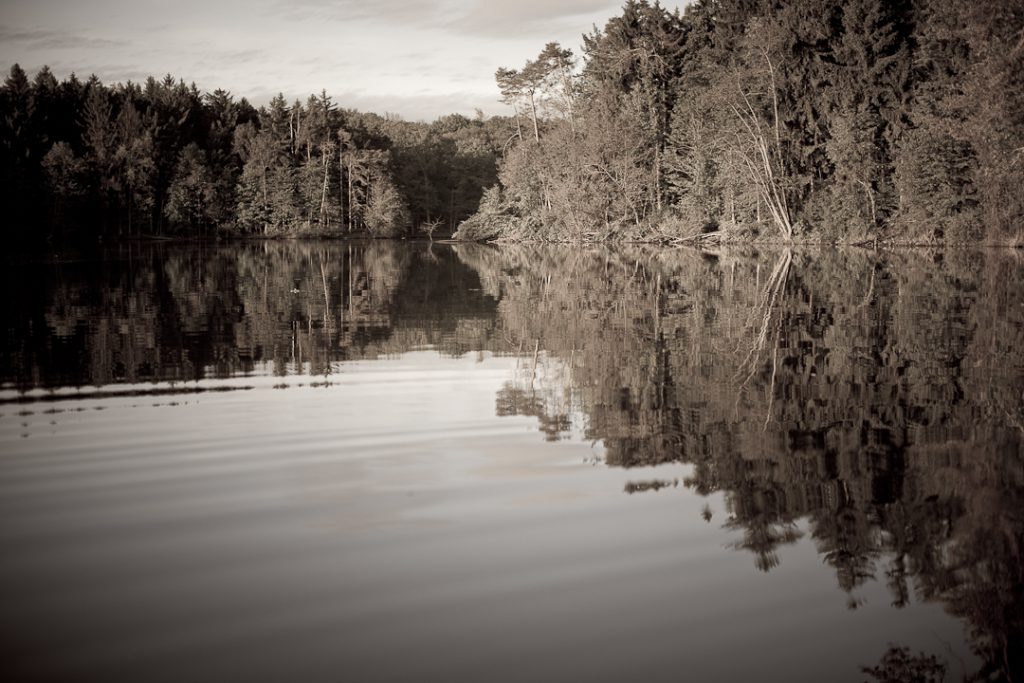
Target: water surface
383	461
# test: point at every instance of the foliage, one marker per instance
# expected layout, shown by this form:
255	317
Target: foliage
162	157
386	213
495	218
852	121
899	665
191	196
811	120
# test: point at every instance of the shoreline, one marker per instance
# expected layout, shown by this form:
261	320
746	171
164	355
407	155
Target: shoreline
667	243
694	241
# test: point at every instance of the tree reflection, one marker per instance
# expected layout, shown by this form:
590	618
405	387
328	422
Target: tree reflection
900	665
876	396
870	401
143	312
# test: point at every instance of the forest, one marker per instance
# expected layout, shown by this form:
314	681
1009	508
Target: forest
861	121
792	120
83	159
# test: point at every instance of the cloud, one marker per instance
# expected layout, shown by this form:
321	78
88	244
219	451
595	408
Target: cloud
47	39
227	58
406	12
108	73
414	57
484	18
528	17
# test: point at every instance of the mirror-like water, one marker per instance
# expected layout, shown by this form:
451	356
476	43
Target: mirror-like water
380	461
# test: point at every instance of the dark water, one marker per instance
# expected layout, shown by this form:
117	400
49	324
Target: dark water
392	462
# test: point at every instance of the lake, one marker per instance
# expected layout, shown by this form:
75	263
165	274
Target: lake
379	461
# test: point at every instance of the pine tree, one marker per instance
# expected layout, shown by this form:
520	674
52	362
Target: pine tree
191	197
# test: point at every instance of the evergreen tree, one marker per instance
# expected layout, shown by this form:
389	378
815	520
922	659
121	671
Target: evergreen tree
192	195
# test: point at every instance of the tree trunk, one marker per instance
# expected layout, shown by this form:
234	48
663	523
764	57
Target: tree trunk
350	199
341	187
266	227
567	87
657	177
323	195
533	114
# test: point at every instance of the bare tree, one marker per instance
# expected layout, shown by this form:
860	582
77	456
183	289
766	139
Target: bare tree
762	155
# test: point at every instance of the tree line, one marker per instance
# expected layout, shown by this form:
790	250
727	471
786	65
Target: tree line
162	158
822	120
832	120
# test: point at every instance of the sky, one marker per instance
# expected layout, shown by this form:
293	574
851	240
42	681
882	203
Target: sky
419	59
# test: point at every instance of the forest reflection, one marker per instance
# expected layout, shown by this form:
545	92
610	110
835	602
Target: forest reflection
153	312
875	397
870	400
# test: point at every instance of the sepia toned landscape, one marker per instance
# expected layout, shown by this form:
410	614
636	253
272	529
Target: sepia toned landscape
701	360
858	122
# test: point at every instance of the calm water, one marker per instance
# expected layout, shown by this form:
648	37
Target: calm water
320	462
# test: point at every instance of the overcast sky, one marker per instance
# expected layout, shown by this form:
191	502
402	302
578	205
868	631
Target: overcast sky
417	58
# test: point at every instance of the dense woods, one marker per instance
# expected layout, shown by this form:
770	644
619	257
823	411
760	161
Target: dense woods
793	120
162	158
853	120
